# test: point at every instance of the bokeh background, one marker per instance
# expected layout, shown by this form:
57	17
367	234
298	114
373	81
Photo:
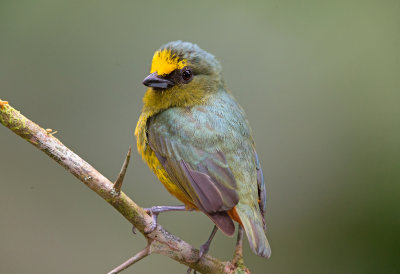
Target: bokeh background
319	80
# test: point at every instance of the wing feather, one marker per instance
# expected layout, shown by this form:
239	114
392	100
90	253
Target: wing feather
262	195
204	177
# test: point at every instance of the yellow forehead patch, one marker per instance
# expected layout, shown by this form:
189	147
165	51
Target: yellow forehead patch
164	62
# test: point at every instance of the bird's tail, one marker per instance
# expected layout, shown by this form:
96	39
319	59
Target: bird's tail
252	222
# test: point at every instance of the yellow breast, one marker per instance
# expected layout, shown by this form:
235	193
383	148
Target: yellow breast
152	161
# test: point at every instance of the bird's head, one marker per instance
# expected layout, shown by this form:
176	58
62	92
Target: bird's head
181	75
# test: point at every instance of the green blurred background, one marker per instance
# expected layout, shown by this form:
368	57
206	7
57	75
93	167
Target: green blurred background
319	80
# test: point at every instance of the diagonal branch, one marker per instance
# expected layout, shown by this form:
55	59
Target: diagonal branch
140	255
162	242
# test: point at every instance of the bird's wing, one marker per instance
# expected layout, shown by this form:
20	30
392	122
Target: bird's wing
262	194
204	177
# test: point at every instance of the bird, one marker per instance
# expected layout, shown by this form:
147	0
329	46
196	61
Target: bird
196	138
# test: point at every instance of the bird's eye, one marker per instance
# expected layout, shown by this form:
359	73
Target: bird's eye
187	74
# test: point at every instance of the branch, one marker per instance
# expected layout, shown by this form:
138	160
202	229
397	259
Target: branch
160	241
140	255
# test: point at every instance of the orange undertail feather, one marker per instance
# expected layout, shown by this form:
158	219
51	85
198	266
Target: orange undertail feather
234	215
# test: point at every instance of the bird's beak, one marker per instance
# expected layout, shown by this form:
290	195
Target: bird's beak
156	81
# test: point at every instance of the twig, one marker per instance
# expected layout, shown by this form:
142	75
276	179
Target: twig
140	255
121	175
163	242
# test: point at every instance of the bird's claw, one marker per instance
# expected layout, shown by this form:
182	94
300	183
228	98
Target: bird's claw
153	212
151	228
204	249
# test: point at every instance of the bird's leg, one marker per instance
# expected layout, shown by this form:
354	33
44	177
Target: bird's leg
155	210
238	256
204	247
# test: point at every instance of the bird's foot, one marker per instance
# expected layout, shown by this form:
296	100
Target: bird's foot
154	212
154	216
205	247
203	250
